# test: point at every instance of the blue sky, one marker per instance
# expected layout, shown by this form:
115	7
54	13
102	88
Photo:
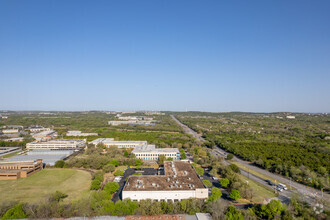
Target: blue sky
257	55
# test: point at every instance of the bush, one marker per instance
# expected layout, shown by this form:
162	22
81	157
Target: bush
234	168
207	183
96	184
111	187
224	182
229	156
58	196
200	171
16	212
233	214
59	164
109	168
216	194
119	172
114	162
234	194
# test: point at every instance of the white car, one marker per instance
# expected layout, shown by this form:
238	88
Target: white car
215	178
282	186
279	189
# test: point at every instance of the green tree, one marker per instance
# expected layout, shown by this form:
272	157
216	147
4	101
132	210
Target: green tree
96	184
16	212
216	194
138	162
114	162
207	183
126	153
109	168
234	194
229	156
119	172
58	196
161	159
233	214
59	164
111	187
200	171
224	182
234	168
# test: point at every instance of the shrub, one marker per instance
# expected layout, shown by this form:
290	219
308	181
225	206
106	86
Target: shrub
119	172
234	194
111	187
96	184
207	183
16	212
200	171
59	164
58	196
229	156
234	168
224	182
109	168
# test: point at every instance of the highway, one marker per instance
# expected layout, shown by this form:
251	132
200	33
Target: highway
310	195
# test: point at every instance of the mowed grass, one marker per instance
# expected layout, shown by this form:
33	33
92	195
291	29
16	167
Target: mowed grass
260	192
74	183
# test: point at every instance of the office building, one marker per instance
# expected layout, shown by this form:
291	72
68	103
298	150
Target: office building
179	182
80	134
37	128
64	144
150	152
120	144
45	135
19	169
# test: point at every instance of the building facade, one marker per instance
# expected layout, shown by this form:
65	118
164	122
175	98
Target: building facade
64	144
150	152
19	169
108	142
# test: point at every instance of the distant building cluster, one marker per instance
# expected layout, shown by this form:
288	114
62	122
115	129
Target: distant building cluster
132	120
80	134
179	182
45	135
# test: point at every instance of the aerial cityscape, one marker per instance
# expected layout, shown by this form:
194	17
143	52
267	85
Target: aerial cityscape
132	110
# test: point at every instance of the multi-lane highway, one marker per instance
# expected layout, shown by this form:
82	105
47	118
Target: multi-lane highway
310	195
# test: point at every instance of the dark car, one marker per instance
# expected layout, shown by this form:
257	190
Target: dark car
270	182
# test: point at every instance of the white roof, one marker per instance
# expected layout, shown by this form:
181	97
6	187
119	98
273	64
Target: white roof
152	148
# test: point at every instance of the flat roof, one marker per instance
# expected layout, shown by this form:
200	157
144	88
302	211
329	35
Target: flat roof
45	132
59	141
178	176
152	148
112	141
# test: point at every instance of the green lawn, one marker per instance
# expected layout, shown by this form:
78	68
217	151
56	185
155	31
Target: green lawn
75	183
260	192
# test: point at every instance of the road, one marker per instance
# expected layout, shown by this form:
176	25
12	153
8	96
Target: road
310	195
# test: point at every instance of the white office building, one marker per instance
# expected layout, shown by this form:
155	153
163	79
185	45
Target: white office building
108	142
150	152
80	134
57	144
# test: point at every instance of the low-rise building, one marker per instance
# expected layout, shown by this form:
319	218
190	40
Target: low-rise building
179	182
45	135
108	142
64	144
80	134
10	131
150	152
19	169
131	122
290	117
18	139
37	128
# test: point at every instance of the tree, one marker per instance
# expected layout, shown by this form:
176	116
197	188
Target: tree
111	187
58	196
234	194
224	182
138	163
229	156
233	214
114	162
234	168
200	171
126	153
183	154
216	194
269	211
96	184
59	164
161	159
16	212
207	183
119	172
169	159
109	168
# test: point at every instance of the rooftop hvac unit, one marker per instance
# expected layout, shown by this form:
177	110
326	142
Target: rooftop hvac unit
153	184
180	186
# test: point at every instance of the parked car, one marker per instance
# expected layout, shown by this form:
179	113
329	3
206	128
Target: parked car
279	189
282	186
215	178
270	182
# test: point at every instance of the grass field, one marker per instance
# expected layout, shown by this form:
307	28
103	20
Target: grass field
38	186
260	192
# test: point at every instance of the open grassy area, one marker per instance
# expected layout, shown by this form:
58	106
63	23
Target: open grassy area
75	183
260	192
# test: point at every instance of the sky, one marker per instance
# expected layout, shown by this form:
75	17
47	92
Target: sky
219	56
